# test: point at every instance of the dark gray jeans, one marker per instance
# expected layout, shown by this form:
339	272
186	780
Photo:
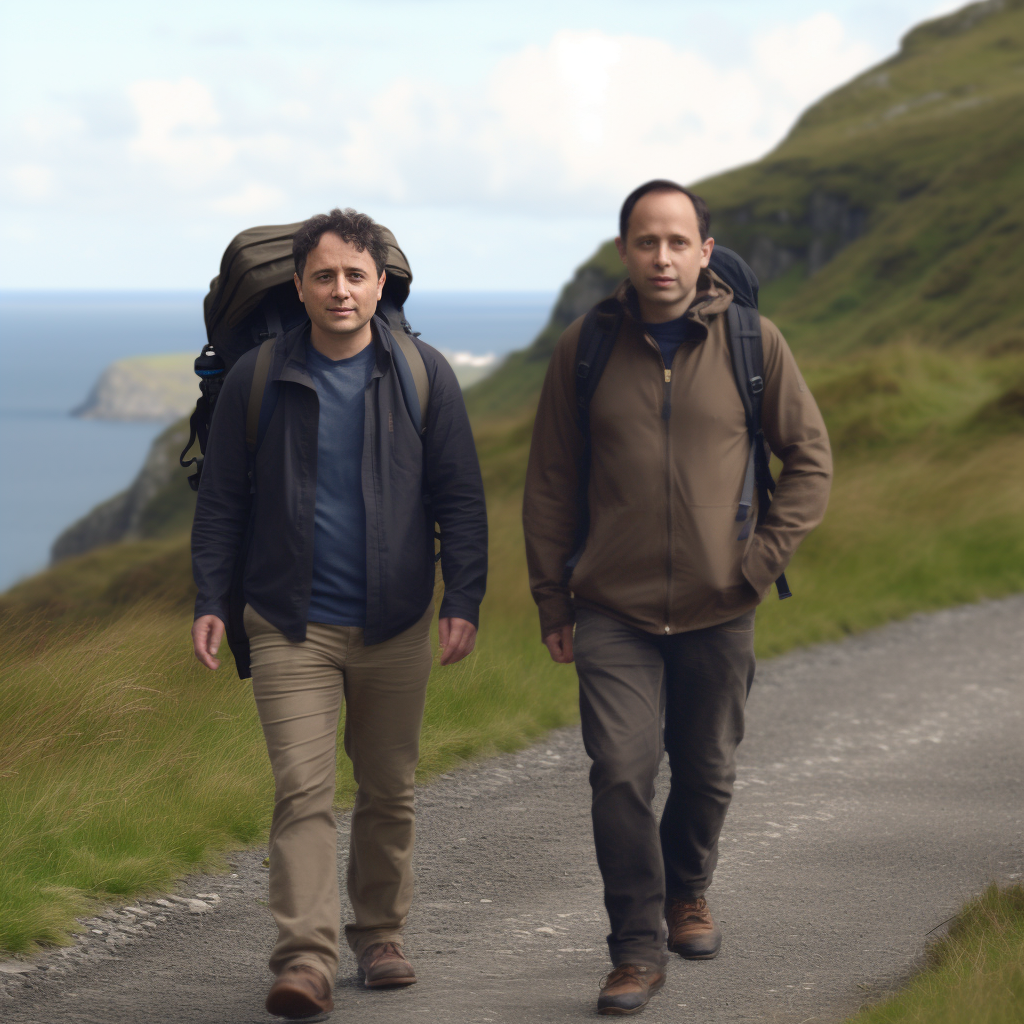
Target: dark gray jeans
640	695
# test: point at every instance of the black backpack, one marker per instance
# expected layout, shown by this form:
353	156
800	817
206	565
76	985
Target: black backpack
252	301
597	338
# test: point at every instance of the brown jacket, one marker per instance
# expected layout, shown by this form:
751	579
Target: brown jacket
663	552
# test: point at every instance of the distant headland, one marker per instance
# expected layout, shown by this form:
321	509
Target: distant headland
161	387
164	388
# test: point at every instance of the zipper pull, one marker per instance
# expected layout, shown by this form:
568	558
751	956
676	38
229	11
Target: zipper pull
668	376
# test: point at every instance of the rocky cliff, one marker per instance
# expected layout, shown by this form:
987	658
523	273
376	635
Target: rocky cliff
158	501
161	387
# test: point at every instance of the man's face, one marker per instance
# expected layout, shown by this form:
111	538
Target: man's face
339	286
664	254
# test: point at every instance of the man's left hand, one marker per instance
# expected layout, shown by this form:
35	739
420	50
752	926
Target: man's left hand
457	638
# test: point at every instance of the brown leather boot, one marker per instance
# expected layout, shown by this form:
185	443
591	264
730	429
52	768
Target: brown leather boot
299	991
384	964
692	932
628	989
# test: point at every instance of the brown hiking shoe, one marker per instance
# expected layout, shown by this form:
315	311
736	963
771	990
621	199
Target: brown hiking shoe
692	932
299	991
384	964
628	989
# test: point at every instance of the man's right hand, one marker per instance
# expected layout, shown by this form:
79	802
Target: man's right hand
207	633
560	645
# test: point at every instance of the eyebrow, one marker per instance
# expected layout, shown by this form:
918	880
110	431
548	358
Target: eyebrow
673	234
345	270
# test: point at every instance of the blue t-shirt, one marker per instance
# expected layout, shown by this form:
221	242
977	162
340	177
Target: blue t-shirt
670	335
339	537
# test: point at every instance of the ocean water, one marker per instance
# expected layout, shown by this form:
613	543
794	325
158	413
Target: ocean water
54	467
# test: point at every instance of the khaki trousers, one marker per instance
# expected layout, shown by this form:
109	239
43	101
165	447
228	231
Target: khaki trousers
299	688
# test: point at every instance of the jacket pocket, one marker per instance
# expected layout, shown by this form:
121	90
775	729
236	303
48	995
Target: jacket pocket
755	571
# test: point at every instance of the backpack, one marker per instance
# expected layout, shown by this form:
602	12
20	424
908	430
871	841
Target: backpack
597	338
252	301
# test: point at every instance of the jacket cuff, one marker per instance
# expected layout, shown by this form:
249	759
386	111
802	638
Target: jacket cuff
759	573
555	612
207	607
456	609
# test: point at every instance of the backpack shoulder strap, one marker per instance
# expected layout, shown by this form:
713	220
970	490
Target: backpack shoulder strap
417	368
259	386
747	360
747	350
597	337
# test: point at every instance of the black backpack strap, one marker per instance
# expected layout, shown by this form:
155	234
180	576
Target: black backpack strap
259	385
210	370
418	369
597	337
403	334
748	366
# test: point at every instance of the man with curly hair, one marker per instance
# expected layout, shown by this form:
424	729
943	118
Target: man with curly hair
335	529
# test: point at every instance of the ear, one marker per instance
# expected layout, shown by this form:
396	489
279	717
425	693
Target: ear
380	284
706	249
621	246
298	286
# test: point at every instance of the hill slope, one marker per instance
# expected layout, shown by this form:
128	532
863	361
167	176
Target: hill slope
892	213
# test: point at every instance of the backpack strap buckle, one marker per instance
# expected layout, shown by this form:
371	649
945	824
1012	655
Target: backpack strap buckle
756	385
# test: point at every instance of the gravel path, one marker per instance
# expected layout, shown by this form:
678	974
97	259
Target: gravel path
879	787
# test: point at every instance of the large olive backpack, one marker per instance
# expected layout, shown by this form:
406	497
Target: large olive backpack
252	301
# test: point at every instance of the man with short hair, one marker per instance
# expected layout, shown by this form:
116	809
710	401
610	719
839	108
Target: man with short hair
658	610
335	530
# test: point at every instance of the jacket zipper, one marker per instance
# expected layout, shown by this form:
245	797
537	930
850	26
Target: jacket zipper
666	413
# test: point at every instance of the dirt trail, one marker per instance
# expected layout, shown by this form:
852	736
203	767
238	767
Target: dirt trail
880	786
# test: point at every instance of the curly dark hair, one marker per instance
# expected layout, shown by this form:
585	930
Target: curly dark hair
664	185
359	229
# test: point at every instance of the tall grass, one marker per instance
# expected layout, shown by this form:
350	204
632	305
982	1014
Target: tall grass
121	766
124	764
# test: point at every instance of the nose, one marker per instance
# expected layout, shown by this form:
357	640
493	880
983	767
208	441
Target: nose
662	257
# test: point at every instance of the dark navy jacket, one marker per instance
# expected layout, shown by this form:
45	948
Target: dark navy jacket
253	541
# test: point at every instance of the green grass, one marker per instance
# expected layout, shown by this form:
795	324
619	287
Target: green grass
975	974
124	764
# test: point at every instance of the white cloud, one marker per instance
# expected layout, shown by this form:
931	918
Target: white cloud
565	128
811	58
178	129
554	134
32	182
252	199
572	125
942	9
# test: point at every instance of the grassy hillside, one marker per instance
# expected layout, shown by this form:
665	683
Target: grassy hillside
888	230
892	214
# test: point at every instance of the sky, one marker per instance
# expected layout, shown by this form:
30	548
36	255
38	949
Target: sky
496	138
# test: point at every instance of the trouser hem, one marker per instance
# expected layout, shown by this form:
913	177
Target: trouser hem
647	958
310	960
359	945
686	896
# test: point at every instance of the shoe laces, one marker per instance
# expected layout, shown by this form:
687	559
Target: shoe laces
312	975
387	949
623	972
689	910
